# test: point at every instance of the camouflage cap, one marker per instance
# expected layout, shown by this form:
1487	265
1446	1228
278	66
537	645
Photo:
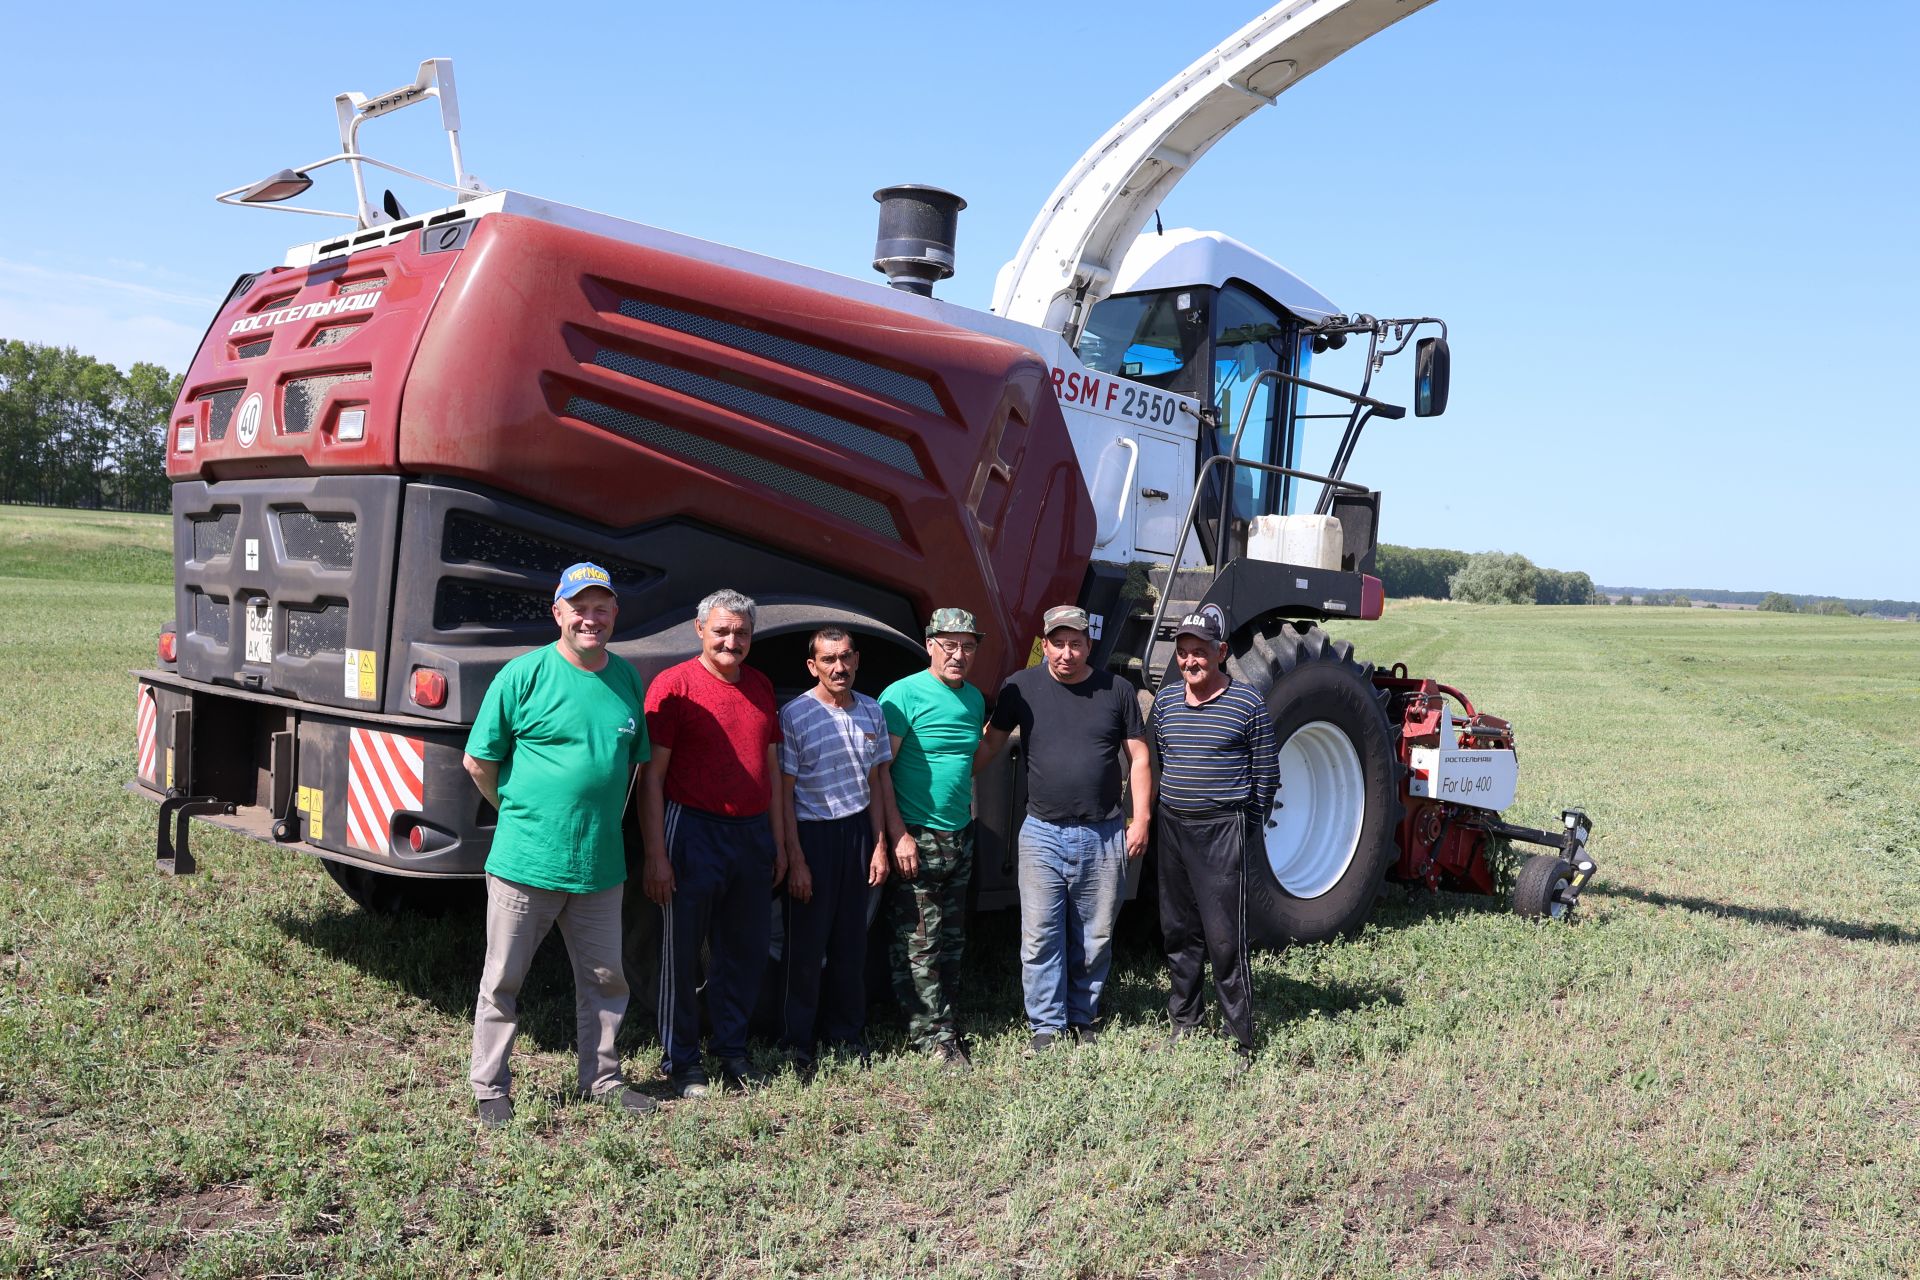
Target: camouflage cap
952	620
1065	615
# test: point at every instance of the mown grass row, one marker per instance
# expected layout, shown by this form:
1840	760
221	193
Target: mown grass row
1711	1073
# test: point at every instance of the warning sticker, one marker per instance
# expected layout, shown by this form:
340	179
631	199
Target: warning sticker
315	810
360	675
1033	655
169	768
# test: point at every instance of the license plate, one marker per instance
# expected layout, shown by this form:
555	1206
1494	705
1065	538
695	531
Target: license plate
259	631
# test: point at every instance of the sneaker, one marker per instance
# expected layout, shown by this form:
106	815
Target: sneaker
495	1112
691	1083
738	1073
626	1098
800	1062
1084	1034
1042	1042
1240	1062
952	1056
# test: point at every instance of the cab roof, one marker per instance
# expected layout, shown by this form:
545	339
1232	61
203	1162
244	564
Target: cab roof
1182	256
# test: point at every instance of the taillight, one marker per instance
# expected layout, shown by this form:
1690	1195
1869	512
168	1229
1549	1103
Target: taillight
167	646
429	689
415	839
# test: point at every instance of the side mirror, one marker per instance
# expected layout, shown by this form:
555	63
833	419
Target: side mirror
1432	367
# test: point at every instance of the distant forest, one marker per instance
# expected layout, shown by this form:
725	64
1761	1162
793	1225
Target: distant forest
1760	599
77	432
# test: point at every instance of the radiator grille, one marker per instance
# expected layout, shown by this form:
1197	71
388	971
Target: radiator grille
248	350
459	602
470	539
212	617
213	534
325	539
220	407
304	396
827	496
316	628
333	335
852	370
755	404
360	286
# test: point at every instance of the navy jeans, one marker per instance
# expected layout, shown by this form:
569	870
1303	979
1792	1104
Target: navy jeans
1071	879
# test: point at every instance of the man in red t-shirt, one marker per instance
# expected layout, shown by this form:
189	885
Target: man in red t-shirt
710	797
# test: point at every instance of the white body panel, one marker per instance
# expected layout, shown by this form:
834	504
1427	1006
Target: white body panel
1479	777
1482	778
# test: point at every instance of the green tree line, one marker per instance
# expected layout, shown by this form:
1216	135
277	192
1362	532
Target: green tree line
77	432
1489	577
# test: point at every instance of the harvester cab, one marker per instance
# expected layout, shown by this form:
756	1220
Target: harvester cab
377	471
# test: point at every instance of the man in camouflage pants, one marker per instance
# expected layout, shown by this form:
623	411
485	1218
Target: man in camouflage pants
934	718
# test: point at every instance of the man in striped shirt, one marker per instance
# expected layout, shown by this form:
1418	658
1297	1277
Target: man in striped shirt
834	753
1219	769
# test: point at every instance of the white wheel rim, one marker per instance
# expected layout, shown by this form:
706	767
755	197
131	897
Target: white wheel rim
1314	829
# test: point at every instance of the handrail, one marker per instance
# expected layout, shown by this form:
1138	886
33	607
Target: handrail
1126	492
1233	459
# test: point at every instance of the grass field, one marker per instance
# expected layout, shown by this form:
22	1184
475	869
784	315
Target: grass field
1713	1072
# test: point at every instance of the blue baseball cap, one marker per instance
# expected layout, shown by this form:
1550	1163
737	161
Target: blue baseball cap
580	577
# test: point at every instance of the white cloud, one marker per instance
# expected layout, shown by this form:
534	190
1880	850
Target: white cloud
117	320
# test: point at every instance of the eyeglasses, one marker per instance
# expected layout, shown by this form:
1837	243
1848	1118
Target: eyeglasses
958	648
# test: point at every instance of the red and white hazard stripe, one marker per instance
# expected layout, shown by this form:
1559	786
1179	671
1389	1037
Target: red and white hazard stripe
146	726
385	776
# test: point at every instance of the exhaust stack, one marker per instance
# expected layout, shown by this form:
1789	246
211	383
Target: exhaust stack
914	246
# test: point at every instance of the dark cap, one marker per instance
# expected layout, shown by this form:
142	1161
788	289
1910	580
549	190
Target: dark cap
1204	626
1065	615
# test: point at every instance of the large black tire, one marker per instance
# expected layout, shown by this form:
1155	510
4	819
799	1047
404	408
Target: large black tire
1332	832
385	895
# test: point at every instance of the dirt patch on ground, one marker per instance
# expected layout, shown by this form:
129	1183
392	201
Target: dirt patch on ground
155	1238
1451	1219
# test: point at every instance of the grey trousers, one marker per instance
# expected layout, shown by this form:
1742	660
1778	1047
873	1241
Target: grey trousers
518	917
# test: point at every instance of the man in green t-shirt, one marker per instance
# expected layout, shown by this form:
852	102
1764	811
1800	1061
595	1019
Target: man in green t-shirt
934	718
554	749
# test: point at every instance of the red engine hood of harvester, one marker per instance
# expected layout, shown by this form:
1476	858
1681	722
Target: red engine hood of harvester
631	385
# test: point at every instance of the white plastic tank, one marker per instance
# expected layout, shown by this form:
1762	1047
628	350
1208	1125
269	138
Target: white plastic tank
1313	542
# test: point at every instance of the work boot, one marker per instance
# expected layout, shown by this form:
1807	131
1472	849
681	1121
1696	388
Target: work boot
495	1112
1042	1042
626	1099
738	1073
1085	1033
952	1056
1239	1062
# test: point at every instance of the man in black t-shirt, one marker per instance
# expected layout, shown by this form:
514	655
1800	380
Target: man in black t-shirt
1076	724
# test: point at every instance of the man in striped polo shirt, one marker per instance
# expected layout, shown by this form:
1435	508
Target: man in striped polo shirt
834	752
1219	769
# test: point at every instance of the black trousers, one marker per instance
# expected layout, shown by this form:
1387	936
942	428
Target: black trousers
826	990
1203	913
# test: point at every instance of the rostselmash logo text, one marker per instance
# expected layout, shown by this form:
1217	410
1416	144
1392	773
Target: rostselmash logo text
341	305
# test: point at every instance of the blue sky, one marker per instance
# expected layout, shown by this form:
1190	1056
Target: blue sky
1676	243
